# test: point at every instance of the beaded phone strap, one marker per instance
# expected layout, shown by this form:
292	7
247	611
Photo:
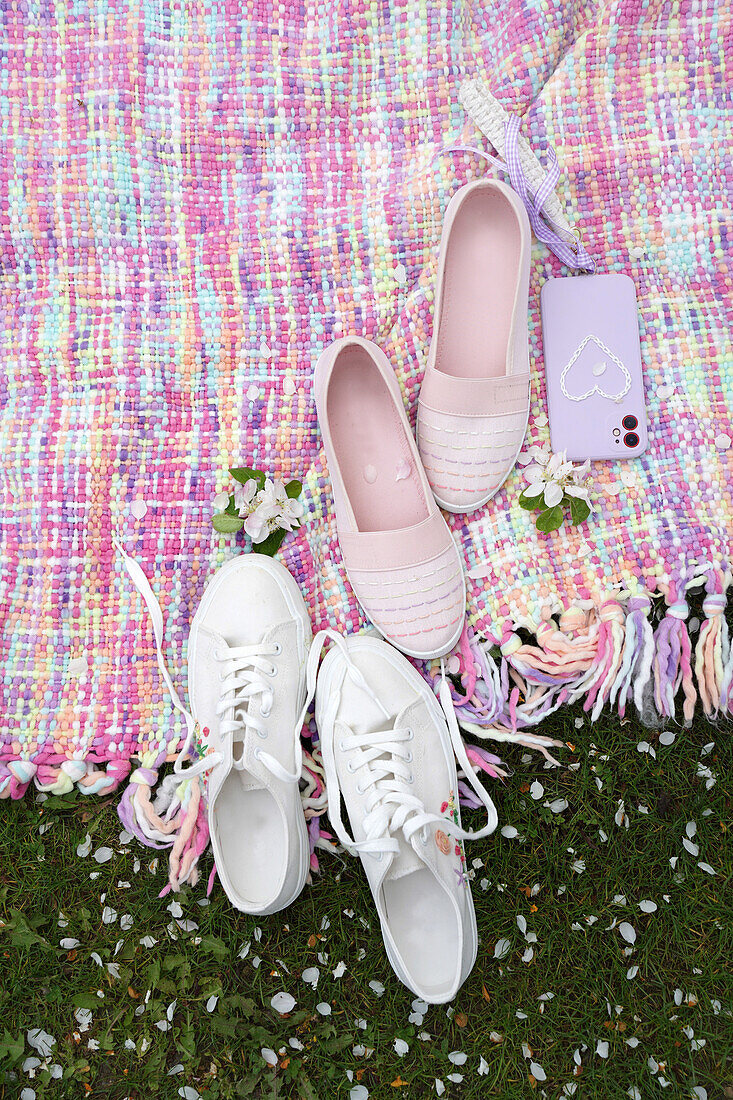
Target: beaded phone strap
534	184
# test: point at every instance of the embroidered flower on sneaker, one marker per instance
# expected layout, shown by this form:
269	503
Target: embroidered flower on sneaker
265	508
555	488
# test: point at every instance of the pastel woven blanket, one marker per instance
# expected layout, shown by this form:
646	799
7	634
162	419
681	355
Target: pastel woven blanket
197	197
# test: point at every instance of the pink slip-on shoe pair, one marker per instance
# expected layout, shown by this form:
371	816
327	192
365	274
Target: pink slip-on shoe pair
399	554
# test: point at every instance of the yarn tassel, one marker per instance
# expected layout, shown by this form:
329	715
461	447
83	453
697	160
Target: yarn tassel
712	651
176	818
638	649
672	664
609	655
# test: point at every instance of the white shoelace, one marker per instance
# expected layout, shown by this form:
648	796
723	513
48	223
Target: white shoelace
246	674
382	760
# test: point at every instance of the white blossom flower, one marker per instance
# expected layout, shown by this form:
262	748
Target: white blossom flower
266	509
551	476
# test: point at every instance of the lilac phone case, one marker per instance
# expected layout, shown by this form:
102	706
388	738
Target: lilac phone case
595	388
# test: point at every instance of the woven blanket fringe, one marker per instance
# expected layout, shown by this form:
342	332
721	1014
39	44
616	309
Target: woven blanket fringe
606	655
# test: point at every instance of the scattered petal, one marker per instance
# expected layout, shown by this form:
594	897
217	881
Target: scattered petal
559	805
214	1000
138	508
627	932
311	975
502	948
537	1071
602	1048
376	988
282	1002
509	832
401	1047
85	847
269	1056
69	943
439	1087
41	1041
103	855
457	1057
648	906
690	846
706	867
324	1008
536	790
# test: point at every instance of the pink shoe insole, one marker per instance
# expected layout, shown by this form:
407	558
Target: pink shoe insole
372	447
479	285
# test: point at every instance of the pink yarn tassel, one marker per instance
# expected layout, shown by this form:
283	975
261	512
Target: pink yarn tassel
713	647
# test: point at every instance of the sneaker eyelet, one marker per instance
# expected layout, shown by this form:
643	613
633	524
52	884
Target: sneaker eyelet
273	670
278	649
410	735
408	757
342	745
349	767
411	778
218	656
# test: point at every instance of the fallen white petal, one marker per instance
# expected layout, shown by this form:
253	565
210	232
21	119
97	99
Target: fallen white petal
602	1048
502	948
103	855
627	932
648	906
457	1057
282	1002
41	1041
536	790
401	1047
269	1056
537	1071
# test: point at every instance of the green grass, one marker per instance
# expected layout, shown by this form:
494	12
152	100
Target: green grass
685	945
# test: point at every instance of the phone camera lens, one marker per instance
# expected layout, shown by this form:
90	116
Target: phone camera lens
630	422
631	439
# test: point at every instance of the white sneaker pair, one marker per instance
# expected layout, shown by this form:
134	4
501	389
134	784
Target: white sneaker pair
387	747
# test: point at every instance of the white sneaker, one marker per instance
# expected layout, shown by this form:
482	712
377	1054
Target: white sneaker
388	750
247	654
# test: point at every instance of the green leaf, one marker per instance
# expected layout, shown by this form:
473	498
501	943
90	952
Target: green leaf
11	1047
227	524
231	508
579	510
294	489
243	474
531	503
212	945
86	1000
270	545
550	519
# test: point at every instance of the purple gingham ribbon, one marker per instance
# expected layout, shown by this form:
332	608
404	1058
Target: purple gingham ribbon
566	245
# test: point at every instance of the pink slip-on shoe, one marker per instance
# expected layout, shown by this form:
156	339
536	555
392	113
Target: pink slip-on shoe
401	560
474	399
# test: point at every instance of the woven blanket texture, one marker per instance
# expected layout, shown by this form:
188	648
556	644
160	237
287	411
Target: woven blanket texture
197	197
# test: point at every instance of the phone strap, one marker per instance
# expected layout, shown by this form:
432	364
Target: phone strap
534	183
